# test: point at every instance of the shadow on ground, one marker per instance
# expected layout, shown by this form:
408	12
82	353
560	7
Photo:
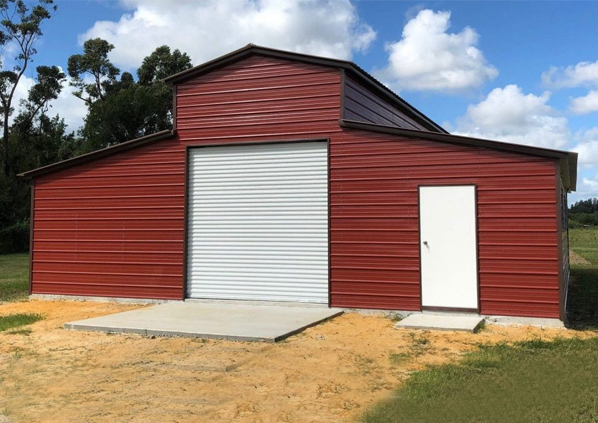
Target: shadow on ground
582	300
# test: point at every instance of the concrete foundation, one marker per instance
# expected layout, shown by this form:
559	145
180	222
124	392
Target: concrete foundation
494	320
445	321
117	300
525	321
232	321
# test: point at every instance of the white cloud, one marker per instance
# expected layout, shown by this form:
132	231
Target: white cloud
208	28
590	183
587	147
21	93
582	74
70	108
586	104
429	58
587	187
507	114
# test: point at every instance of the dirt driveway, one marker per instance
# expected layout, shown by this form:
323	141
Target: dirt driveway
329	373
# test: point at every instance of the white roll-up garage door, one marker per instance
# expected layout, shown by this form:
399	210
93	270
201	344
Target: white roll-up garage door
258	222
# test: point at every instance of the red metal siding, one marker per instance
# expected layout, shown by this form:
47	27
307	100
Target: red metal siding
115	227
375	249
363	105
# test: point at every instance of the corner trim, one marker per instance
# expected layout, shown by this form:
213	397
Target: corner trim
186	224
31	223
559	240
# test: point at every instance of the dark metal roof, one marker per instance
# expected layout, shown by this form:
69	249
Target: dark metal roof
365	78
98	154
568	158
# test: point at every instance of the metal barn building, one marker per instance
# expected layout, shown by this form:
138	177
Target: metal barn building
290	177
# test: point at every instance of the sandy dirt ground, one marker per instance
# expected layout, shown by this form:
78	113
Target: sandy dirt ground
575	258
329	373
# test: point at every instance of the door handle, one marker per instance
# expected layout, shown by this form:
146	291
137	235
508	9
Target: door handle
426	243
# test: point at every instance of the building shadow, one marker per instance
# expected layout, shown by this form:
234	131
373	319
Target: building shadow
582	298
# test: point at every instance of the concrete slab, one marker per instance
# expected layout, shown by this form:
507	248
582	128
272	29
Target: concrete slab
235	321
444	321
525	321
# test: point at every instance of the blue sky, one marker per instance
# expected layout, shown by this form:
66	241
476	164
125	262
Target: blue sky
479	68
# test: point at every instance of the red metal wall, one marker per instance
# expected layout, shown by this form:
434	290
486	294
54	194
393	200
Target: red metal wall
375	248
114	227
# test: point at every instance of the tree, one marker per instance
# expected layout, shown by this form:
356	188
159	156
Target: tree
34	143
48	86
129	109
94	62
20	26
585	206
161	64
41	142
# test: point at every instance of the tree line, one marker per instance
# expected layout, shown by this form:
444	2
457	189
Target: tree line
119	106
583	212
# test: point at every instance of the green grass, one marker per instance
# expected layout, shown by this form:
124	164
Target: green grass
18	320
14	276
534	381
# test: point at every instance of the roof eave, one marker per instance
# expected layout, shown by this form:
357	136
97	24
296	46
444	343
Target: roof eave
569	158
248	50
572	171
98	154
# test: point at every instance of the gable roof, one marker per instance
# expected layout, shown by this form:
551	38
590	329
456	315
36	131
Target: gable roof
351	68
568	159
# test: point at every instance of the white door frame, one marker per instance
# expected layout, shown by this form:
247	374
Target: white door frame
420	246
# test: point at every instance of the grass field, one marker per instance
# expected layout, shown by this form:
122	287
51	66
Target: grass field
14	276
533	381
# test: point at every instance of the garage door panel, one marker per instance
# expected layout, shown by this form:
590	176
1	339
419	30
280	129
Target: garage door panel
258	222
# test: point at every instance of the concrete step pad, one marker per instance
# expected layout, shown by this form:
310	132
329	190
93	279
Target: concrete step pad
458	322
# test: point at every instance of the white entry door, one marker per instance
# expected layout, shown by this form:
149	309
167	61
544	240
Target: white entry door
448	237
258	222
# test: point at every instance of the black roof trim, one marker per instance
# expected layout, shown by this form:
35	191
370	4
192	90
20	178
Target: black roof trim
363	77
569	159
98	154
